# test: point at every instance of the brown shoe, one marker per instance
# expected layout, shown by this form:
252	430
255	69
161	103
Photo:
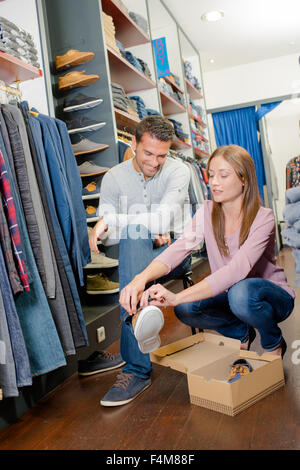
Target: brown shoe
71	58
76	79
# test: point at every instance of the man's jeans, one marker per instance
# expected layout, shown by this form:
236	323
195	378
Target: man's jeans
256	302
135	254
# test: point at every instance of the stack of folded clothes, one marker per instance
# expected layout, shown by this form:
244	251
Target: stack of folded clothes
178	130
122	101
140	21
110	32
138	63
175	94
141	107
152	112
189	75
134	61
17	42
196	111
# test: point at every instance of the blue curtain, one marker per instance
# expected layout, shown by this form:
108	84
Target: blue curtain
239	127
265	108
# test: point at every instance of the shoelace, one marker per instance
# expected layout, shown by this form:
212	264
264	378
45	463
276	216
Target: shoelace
123	380
107	355
238	369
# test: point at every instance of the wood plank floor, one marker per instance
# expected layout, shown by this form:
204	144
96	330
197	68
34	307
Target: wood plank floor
162	417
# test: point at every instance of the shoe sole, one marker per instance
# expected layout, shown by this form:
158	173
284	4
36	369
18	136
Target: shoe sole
78	61
102	370
151	343
83	82
99	292
99	265
91	127
98	149
90	104
123	402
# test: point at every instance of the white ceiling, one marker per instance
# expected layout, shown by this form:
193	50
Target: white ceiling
251	30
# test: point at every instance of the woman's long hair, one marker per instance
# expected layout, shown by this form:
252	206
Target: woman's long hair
244	168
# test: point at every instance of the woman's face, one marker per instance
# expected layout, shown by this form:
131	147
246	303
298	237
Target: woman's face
224	183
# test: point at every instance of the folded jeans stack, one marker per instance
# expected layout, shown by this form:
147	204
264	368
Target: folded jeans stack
189	75
152	112
134	61
141	107
17	42
110	32
178	130
175	94
145	68
291	232
140	21
120	98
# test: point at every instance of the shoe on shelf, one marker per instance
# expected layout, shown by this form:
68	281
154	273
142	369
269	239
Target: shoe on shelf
71	58
80	101
89	168
146	326
100	284
87	146
76	79
83	124
92	188
239	368
100	260
99	361
126	388
91	211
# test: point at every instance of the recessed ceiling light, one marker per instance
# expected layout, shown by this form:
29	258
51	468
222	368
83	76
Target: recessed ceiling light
212	61
212	15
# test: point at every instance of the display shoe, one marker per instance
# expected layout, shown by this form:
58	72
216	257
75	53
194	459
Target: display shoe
76	79
146	325
99	361
239	368
71	58
99	260
100	284
91	189
83	124
91	211
80	101
89	168
87	146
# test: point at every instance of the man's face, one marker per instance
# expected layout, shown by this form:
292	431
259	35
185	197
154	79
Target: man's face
150	154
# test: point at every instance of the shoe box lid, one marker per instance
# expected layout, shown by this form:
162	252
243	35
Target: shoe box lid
206	359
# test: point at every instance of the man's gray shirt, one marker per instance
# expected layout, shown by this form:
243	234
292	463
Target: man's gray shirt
161	203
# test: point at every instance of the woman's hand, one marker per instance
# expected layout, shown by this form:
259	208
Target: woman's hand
159	296
131	295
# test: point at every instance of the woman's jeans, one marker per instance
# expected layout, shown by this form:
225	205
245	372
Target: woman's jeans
135	254
251	302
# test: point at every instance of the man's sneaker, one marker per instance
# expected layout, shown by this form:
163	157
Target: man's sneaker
90	189
99	260
83	124
80	101
71	58
99	361
126	389
76	79
100	284
89	168
87	146
146	326
90	211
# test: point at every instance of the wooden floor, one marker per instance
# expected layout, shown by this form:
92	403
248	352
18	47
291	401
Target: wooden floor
162	417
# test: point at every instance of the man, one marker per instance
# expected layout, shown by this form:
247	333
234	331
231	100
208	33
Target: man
144	205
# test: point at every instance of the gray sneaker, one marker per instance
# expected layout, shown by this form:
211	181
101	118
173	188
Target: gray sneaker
99	361
126	389
87	146
89	168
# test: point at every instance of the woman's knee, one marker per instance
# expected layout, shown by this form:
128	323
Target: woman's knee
241	296
183	312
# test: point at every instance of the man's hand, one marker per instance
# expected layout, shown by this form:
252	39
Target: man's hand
161	240
96	234
158	295
131	295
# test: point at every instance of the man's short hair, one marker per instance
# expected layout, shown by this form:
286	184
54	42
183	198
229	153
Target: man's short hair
157	126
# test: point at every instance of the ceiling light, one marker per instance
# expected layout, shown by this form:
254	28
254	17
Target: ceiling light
212	15
212	61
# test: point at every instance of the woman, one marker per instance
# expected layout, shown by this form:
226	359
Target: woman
246	288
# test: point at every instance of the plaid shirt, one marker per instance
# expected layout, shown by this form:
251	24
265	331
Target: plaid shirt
11	216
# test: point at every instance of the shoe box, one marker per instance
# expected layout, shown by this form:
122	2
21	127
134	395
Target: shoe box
206	359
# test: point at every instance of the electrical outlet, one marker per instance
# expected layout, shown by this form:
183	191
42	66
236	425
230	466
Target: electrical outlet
100	334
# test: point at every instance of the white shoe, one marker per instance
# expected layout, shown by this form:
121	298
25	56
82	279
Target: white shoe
146	326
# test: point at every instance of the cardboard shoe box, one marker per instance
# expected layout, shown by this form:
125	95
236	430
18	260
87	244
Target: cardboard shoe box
206	358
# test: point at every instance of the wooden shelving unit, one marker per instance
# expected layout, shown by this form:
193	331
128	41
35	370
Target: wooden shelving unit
199	153
180	145
192	91
198	119
127	31
13	69
173	84
126	75
169	105
125	119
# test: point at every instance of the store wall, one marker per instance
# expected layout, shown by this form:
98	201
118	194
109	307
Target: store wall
251	82
23	14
